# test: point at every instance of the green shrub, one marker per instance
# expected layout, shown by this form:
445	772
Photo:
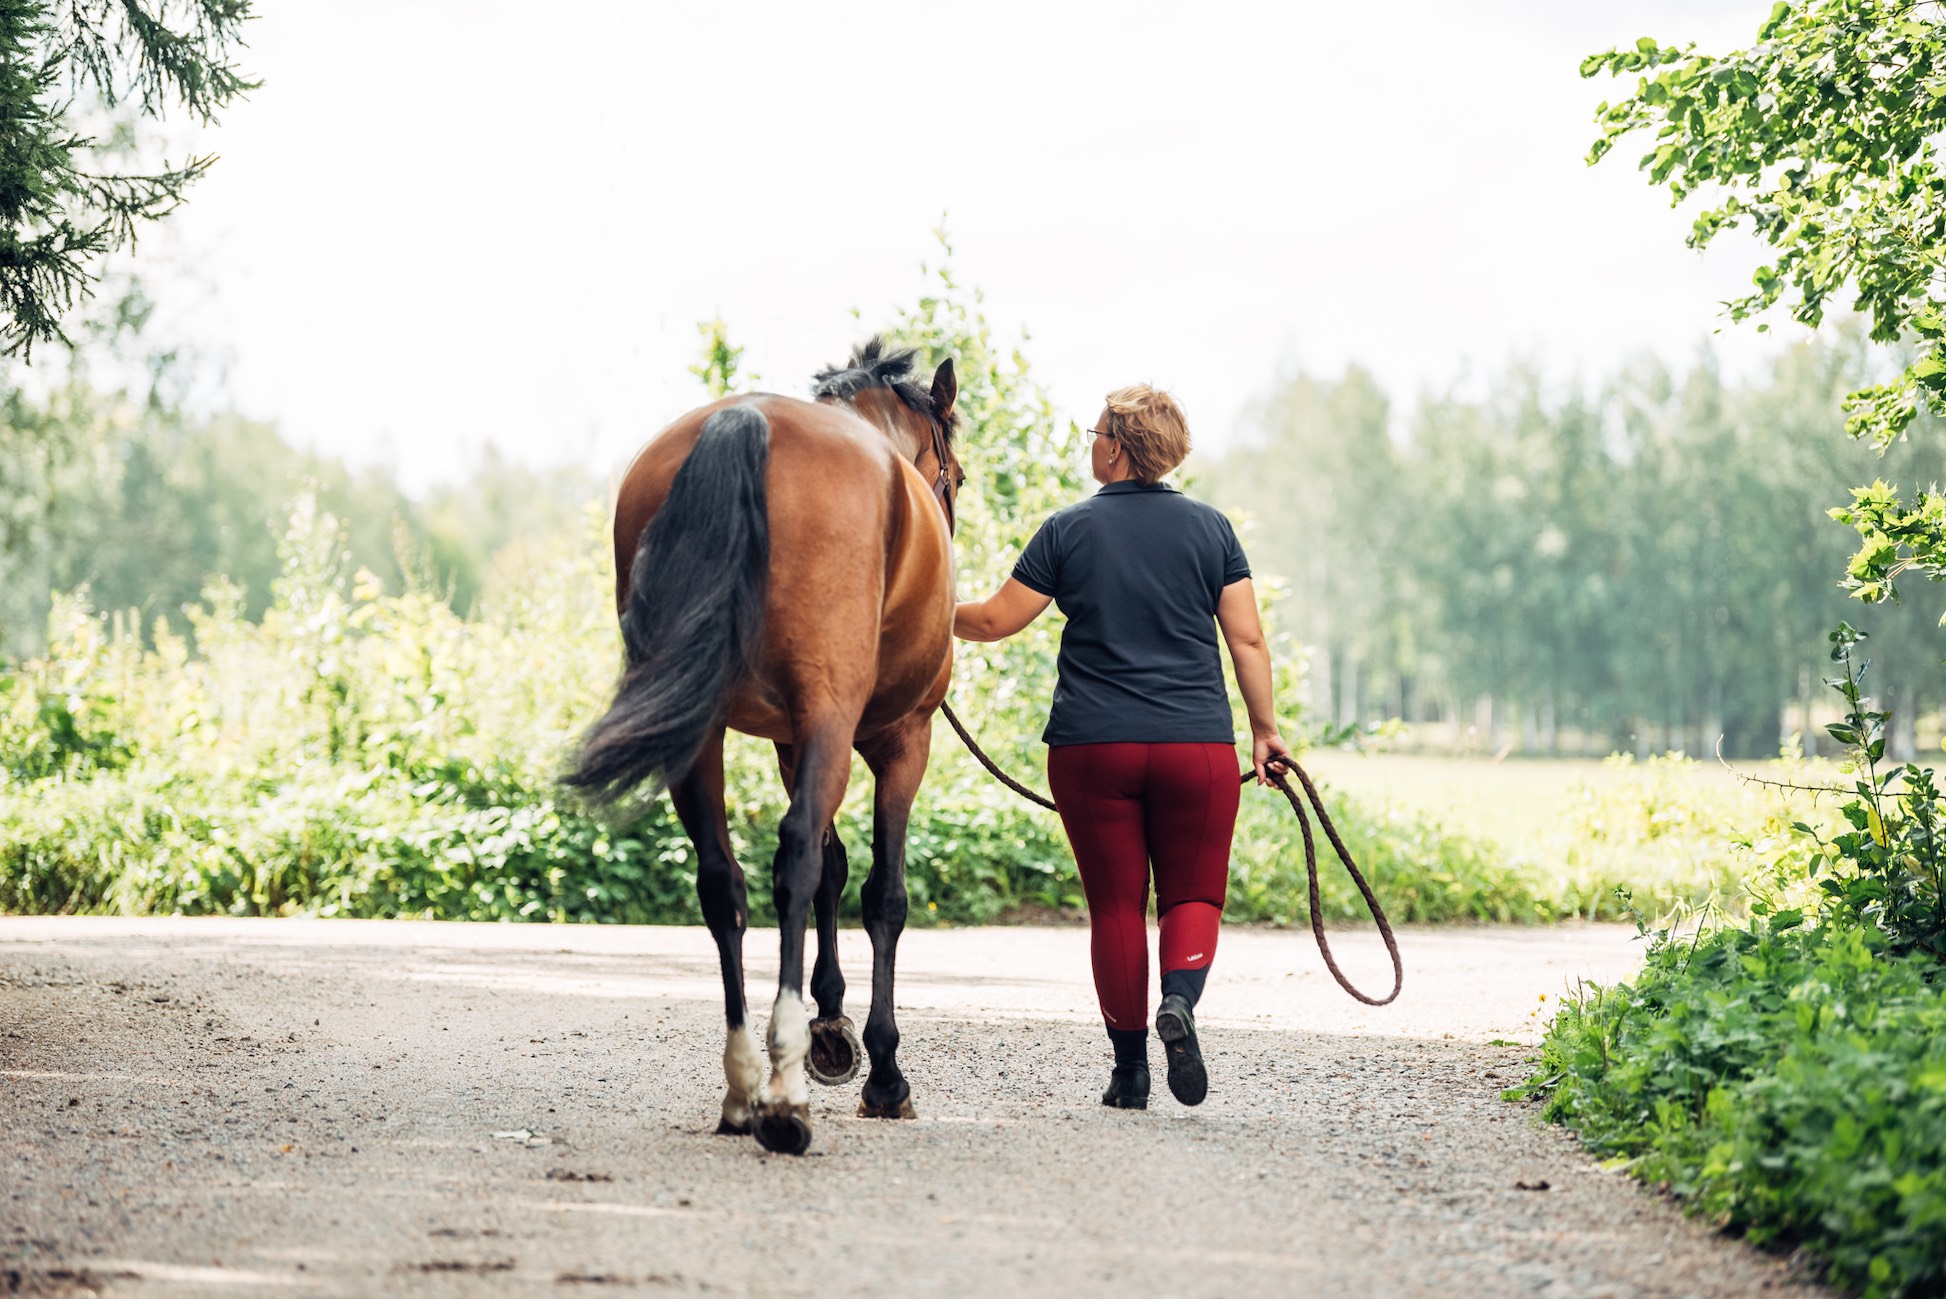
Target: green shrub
355	753
1785	1080
1890	860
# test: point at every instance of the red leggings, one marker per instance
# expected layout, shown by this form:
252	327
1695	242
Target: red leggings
1125	806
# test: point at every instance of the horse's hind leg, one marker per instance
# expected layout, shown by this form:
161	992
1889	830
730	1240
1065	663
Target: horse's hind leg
835	1050
823	765
898	762
698	798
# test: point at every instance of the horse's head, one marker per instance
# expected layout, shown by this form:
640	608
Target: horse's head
878	384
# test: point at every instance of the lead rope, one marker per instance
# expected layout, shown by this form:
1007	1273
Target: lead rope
1278	778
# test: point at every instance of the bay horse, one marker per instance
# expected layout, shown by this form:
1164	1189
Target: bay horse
785	568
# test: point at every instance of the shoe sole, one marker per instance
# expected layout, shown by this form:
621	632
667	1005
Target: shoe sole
1188	1080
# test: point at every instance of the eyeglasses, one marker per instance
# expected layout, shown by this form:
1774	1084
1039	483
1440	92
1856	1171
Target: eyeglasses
1099	433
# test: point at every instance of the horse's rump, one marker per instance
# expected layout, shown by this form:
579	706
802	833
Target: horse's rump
858	607
693	610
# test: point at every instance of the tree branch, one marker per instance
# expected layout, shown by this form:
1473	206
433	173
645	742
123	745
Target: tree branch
1774	784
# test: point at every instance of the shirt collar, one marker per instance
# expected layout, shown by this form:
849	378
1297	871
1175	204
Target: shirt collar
1130	485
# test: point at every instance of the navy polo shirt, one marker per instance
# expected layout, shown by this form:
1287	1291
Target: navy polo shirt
1138	570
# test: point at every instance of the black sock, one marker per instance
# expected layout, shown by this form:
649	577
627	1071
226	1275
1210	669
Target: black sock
1187	984
1131	1045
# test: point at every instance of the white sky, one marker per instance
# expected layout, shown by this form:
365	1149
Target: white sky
447	222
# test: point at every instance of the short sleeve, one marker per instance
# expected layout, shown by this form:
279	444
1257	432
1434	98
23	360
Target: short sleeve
1235	566
1039	567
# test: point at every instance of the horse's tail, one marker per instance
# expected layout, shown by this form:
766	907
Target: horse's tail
694	614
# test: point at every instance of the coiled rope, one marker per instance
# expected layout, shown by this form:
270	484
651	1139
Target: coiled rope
1277	771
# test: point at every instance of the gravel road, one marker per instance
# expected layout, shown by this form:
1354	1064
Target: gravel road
238	1107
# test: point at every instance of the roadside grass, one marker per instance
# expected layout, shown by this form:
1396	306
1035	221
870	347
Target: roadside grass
1786	1081
1675	834
364	754
356	753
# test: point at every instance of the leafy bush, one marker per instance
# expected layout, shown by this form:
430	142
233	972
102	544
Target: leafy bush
357	753
1789	1079
1785	1080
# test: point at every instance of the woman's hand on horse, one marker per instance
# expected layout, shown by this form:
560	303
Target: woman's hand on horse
1267	747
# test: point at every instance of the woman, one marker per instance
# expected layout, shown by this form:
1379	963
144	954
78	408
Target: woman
1141	753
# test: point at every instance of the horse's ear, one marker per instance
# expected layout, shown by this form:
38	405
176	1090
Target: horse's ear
945	390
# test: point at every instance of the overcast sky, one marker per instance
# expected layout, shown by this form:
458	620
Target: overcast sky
443	223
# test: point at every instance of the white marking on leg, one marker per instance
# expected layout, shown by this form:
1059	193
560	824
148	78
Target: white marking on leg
743	1069
790	1042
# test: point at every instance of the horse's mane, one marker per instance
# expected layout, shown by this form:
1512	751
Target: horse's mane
876	364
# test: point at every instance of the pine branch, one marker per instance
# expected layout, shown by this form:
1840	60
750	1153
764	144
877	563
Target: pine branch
167	50
58	217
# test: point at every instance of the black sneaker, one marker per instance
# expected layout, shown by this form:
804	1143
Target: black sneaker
1176	1026
1128	1087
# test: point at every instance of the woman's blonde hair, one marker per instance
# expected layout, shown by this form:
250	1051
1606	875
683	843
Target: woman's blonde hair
1150	427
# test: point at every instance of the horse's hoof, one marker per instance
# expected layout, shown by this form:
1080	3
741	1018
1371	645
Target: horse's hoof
893	1102
835	1051
725	1128
903	1110
784	1129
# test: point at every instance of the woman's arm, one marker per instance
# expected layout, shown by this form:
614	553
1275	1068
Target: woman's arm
1000	615
1243	631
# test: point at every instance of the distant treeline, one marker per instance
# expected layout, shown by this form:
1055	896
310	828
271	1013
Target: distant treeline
142	504
1641	565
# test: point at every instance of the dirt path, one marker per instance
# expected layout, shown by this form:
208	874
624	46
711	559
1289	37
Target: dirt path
315	1107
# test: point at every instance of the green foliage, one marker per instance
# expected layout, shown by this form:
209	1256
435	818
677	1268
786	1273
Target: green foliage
355	752
1783	1080
1595	841
352	752
1654	836
1822	138
1896	535
1321	461
1789	1078
1020	468
721	367
61	207
1889	861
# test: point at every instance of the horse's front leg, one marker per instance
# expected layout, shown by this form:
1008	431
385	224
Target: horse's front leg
898	763
835	1049
698	797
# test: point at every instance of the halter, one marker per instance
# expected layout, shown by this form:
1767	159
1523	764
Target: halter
941	482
